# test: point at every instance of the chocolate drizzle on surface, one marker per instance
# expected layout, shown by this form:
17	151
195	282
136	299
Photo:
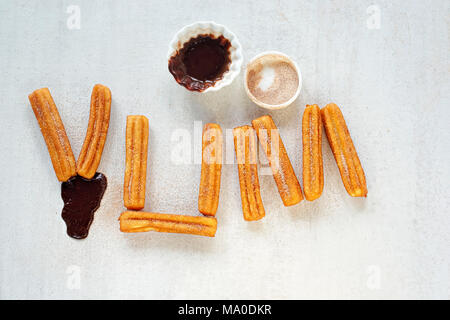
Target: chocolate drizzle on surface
81	198
201	62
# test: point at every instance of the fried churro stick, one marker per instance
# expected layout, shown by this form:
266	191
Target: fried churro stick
132	221
54	134
136	162
246	155
344	151
92	149
283	173
312	153
208	196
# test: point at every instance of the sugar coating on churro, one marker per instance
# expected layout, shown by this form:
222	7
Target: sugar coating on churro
209	190
344	151
246	156
283	173
312	152
54	133
132	221
91	152
136	162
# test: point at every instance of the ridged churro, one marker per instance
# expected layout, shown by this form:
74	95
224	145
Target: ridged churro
136	162
283	173
208	196
246	156
132	221
312	152
92	149
344	151
54	133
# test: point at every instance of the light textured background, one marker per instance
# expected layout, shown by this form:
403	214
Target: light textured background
392	84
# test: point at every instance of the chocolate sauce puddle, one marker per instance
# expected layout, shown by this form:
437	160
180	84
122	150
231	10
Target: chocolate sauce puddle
81	198
201	62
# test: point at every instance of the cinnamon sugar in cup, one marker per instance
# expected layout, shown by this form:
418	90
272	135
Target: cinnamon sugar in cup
272	80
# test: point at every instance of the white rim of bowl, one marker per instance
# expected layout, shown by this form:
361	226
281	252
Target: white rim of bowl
274	106
235	65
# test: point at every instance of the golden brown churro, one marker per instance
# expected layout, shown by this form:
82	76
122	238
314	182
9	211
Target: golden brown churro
132	221
208	196
92	149
55	136
312	152
283	173
344	151
136	162
246	155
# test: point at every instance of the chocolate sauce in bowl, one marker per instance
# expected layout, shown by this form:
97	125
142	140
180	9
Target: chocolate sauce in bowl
81	198
201	62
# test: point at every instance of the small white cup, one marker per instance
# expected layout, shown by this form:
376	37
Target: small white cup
273	56
210	27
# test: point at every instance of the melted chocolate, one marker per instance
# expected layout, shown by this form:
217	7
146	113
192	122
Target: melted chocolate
201	62
81	198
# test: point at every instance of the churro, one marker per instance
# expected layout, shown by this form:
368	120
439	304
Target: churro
54	133
136	162
91	152
208	196
312	152
132	221
283	173
246	156
344	151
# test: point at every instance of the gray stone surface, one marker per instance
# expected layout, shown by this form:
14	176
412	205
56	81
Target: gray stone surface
390	78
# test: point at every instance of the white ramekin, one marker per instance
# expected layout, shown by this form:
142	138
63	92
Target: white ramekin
285	58
210	27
